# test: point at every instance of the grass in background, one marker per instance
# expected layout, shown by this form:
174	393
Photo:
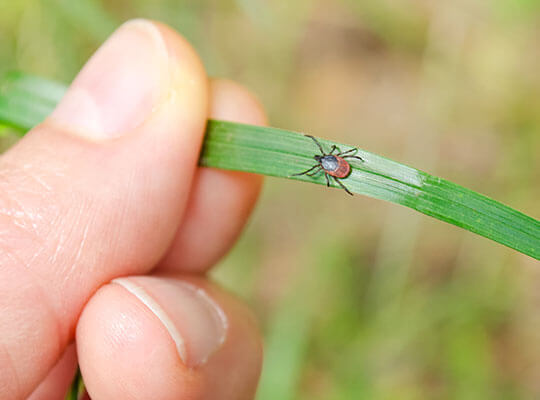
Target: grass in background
391	313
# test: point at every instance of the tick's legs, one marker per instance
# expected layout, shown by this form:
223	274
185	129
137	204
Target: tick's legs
357	157
334	148
317	143
342	185
315	172
327	180
305	172
352	151
346	154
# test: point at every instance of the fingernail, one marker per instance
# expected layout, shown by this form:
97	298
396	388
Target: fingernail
119	86
196	323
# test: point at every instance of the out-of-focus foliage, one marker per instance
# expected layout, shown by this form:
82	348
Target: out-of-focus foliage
401	306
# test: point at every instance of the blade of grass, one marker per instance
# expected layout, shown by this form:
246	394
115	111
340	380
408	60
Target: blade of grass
280	153
76	390
25	101
285	347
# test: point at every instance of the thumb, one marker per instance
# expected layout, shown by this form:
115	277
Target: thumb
95	192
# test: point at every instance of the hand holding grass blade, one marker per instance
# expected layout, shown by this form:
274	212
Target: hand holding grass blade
25	101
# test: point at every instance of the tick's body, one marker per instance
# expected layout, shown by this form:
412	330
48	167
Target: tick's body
333	165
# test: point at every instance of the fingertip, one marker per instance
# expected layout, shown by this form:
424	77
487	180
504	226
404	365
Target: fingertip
232	101
189	82
123	352
126	351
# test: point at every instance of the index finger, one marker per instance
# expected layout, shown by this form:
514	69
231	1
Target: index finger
220	201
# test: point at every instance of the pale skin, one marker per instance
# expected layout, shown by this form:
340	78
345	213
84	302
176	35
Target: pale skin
108	187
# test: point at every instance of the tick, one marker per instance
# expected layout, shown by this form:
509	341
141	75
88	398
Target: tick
333	165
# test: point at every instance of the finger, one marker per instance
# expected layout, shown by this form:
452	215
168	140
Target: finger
95	192
57	382
221	201
167	338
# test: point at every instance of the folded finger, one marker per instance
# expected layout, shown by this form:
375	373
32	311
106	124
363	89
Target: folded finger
220	201
58	381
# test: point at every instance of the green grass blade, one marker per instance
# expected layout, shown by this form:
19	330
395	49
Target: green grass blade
281	153
25	101
76	390
285	347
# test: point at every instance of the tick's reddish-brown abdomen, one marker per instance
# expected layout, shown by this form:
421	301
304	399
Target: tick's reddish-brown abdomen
343	168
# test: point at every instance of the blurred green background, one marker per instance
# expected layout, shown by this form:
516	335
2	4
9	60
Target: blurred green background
359	299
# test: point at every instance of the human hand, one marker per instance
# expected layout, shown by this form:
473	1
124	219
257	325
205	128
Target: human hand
108	189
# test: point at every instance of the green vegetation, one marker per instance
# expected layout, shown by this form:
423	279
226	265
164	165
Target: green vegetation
26	100
388	304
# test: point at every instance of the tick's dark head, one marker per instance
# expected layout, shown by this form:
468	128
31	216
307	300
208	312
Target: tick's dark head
318	158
